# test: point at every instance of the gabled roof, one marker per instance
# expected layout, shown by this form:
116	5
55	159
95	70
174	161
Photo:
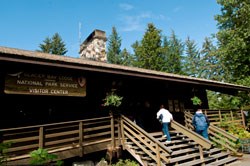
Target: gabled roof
33	57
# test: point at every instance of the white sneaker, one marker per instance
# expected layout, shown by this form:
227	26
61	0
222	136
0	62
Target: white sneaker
168	141
164	136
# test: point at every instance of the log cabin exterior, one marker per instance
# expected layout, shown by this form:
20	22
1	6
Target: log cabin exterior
39	88
50	91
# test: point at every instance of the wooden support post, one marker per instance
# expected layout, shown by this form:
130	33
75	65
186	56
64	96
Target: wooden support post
232	117
158	155
243	118
220	116
41	137
201	152
122	134
119	130
80	139
112	132
206	112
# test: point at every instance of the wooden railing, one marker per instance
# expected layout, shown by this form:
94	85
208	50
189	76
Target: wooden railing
78	137
202	142
148	144
216	134
227	116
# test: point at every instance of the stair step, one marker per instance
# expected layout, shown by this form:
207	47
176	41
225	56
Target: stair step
220	155
223	161
212	151
197	162
146	158
140	152
185	157
206	160
183	151
180	146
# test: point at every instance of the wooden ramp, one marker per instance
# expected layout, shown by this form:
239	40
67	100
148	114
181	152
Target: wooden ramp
185	152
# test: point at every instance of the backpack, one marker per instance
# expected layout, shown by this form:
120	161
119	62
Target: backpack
200	122
160	118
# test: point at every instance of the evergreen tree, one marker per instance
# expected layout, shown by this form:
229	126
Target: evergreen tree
234	37
114	48
58	46
166	53
211	66
46	47
53	45
175	54
148	52
192	61
234	47
136	56
127	59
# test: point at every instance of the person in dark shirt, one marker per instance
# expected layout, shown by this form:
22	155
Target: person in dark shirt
200	123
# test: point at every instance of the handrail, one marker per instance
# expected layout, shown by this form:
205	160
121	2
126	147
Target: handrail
216	134
148	135
216	116
76	136
192	135
223	132
53	124
157	150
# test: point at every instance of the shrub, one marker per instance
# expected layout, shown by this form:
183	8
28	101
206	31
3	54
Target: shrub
42	157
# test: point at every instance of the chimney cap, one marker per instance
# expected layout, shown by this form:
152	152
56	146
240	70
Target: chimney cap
96	34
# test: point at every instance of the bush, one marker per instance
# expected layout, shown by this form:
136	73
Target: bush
42	157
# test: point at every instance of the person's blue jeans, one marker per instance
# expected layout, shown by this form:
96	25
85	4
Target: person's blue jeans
165	130
203	133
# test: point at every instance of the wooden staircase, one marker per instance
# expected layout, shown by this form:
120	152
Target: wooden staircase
185	152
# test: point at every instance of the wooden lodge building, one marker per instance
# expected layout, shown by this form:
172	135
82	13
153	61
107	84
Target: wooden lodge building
40	89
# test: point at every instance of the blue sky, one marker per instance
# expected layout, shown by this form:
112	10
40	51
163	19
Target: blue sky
26	23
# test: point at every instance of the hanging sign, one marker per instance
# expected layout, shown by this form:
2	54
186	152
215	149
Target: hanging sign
35	83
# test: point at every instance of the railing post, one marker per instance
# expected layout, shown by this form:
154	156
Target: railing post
220	116
201	152
119	130
206	112
122	134
112	131
232	117
80	139
243	118
158	155
41	137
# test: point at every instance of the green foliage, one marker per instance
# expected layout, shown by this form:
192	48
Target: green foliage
112	99
172	54
233	37
223	101
210	66
235	129
42	157
196	100
126	58
244	97
126	162
148	52
3	148
53	45
192	59
114	48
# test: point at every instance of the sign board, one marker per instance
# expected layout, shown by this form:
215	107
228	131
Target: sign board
35	83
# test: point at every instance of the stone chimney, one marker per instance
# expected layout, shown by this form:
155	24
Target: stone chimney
94	47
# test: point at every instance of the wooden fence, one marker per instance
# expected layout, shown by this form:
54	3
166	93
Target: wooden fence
75	138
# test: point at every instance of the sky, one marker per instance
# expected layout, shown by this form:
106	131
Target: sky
24	24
